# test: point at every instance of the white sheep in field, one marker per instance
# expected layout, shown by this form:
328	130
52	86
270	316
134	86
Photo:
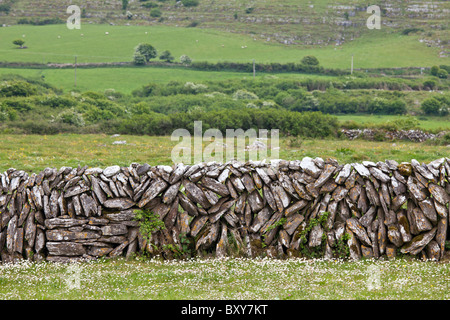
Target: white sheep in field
106	32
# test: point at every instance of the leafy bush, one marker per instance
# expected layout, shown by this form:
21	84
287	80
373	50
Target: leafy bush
155	13
166	56
244	95
429	84
431	106
71	117
16	89
184	59
190	3
40	22
443	74
139	59
150	5
5	7
19	42
310	61
407	31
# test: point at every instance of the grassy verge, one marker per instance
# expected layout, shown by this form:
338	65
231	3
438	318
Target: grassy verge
226	279
34	153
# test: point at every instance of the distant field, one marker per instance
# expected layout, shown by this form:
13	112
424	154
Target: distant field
34	153
425	123
127	79
56	43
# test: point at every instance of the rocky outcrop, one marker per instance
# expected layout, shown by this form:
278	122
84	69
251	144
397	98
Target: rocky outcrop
283	208
372	134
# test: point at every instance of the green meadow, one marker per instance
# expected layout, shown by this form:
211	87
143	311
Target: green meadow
33	153
57	44
127	79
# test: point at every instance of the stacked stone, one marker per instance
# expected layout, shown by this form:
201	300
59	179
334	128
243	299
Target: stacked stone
250	209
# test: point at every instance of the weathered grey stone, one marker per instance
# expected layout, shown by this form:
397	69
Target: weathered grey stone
64	223
208	237
76	190
99	251
261	218
65	235
438	193
155	188
394	235
65	248
441	234
362	170
197	224
355	226
292	223
429	210
315	236
420	222
324	175
111	171
255	201
296	207
215	186
196	194
119	249
343	174
171	193
308	166
418	242
114	229
119	203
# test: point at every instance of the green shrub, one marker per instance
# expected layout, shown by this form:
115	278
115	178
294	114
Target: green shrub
16	89
431	106
244	95
434	70
190	3
155	13
429	84
310	61
443	74
150	5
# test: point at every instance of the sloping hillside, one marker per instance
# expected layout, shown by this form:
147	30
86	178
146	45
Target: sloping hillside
291	22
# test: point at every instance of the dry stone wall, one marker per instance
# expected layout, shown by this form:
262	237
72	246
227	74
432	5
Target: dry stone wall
308	207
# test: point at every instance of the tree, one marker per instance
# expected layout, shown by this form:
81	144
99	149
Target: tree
431	106
443	74
19	42
434	70
146	50
124	4
310	61
166	56
185	59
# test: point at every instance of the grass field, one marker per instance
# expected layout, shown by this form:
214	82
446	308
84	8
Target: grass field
34	153
230	279
127	79
56	43
428	123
